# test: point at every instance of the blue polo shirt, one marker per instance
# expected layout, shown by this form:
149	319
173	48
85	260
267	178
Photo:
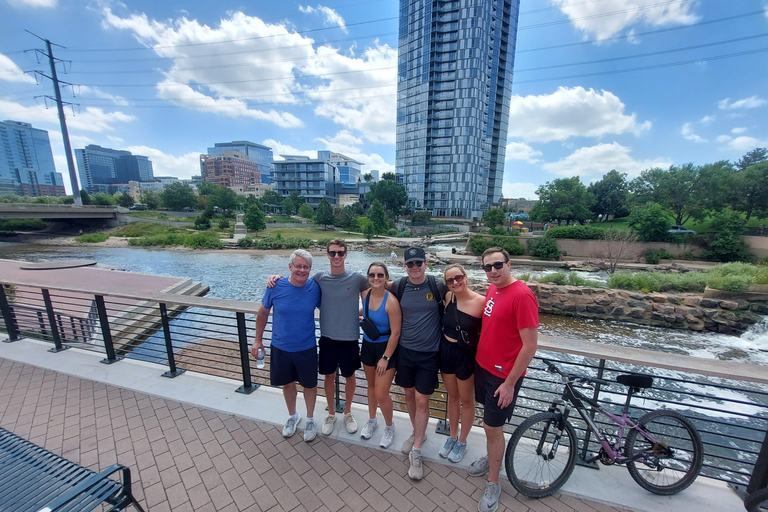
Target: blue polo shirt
293	314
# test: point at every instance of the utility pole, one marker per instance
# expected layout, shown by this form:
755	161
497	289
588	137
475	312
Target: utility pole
62	119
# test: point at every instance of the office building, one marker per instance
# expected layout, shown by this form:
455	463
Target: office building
261	155
349	169
100	169
230	169
455	61
314	179
26	162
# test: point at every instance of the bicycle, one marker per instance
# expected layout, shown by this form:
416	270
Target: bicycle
757	501
662	451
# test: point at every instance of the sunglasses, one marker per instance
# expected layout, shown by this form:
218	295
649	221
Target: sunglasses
410	264
457	279
333	254
374	276
496	265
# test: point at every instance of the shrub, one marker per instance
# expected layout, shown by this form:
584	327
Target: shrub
730	283
202	223
393	232
544	248
654	256
578	232
478	245
510	244
92	238
21	224
203	241
524	277
659	281
568	278
135	229
245	242
323	241
223	224
278	242
761	276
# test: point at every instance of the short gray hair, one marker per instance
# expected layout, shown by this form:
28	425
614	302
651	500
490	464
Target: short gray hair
301	253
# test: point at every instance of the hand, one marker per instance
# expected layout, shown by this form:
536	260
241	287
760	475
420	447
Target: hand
505	394
381	367
272	280
258	344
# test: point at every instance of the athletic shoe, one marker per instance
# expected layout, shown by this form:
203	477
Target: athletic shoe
350	423
479	467
459	449
388	437
328	424
408	444
416	472
447	447
369	428
490	500
290	426
310	431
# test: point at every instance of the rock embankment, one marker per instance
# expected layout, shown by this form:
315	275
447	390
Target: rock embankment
678	310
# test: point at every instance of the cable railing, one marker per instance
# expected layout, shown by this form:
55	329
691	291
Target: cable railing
727	401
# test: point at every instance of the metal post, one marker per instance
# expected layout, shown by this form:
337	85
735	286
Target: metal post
173	372
580	460
248	387
58	347
339	404
41	323
759	478
105	331
8	317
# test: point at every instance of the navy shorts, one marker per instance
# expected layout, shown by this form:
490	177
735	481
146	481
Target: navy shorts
287	367
338	354
417	370
457	359
371	352
486	385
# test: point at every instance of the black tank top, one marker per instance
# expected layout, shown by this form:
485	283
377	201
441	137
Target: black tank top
467	323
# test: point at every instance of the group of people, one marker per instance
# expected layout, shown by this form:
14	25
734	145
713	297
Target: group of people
416	327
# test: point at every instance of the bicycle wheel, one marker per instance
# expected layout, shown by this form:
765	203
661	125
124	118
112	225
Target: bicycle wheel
671	452
534	466
753	501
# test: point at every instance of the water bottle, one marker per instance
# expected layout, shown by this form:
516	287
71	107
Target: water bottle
260	359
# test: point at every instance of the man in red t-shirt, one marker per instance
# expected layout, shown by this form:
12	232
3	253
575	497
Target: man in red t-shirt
508	343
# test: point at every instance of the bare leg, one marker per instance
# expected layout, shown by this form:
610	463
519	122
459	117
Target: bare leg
383	384
330	391
289	393
370	377
495	442
310	396
421	420
452	388
350	383
410	404
467	394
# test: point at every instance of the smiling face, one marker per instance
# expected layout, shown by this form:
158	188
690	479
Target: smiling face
456	280
300	269
377	276
501	277
334	256
416	271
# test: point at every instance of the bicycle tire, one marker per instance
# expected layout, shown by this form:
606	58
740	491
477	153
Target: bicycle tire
753	501
663	474
528	471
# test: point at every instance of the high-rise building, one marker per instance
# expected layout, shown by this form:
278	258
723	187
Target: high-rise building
261	155
230	169
100	168
455	62
349	169
26	162
314	179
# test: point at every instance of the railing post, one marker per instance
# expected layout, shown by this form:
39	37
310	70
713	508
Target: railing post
173	371
58	347
339	404
759	478
581	459
8	317
105	331
248	387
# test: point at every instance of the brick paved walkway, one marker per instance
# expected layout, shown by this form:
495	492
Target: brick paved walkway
188	458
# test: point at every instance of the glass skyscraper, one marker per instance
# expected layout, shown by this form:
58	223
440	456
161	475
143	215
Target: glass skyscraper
261	155
26	161
98	166
455	63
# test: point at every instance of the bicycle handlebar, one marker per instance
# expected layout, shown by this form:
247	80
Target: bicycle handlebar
551	368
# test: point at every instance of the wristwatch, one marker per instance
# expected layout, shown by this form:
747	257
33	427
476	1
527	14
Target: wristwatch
385	357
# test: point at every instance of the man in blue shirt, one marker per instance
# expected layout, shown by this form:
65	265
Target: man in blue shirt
294	351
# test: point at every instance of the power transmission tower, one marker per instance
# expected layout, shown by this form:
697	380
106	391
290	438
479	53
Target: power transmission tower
62	120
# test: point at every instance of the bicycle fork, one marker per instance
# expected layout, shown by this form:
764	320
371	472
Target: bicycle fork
562	418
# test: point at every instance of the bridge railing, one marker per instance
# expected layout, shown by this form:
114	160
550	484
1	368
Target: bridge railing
727	401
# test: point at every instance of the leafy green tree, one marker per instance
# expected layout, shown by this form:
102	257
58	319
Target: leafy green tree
125	200
85	197
391	195
202	222
726	244
347	218
368	177
293	202
651	221
306	211
749	190
254	218
324	215
611	194
103	199
151	199
224	224
378	217
755	156
178	196
421	218
271	197
388	176
564	199
494	217
369	231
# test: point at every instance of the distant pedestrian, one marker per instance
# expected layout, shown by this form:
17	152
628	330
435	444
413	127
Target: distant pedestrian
393	256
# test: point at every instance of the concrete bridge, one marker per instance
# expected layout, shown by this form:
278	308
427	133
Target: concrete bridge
59	211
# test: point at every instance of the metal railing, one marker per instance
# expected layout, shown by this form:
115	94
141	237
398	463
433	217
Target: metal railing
728	402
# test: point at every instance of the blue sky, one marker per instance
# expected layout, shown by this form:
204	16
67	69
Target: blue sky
598	84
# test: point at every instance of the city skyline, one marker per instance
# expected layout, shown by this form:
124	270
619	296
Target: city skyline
598	84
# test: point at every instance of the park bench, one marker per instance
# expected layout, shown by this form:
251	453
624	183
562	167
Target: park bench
33	479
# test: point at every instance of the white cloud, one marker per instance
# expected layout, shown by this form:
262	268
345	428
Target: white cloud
751	102
742	143
10	72
331	17
738	130
163	164
570	112
687	133
606	18
45	4
86	90
92	119
591	163
707	120
517	190
521	151
344	137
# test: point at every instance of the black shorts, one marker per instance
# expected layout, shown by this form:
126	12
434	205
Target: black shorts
417	370
371	352
457	359
486	385
287	367
338	354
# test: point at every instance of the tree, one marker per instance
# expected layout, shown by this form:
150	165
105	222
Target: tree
368	177
378	217
611	194
749	190
494	217
726	244
391	195
369	231
347	217
755	156
178	196
306	211
293	202
85	197
103	199
151	199
388	176
125	200
421	218
615	244
324	215
271	197
651	222
564	199
254	218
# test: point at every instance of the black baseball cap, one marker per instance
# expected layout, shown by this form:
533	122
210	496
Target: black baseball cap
414	254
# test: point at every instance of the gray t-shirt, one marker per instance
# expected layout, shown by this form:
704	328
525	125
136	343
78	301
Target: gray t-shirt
340	305
422	325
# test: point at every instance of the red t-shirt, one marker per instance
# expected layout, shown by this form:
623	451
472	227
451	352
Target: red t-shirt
507	310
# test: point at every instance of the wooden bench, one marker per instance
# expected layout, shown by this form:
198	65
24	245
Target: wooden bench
35	480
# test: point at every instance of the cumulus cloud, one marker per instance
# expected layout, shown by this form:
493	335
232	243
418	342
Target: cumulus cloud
92	119
521	151
746	103
163	164
707	120
742	144
738	130
10	72
687	133
592	162
35	4
517	190
331	17
608	18
570	112
95	92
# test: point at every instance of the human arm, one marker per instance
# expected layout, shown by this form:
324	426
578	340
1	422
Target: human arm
261	323
506	391
395	324
272	280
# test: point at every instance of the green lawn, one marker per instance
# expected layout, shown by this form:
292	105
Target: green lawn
700	227
298	232
148	214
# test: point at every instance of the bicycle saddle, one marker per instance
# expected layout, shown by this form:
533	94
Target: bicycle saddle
635	380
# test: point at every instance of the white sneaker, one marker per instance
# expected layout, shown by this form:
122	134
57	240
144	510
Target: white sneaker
388	437
415	471
369	428
350	423
328	424
290	426
408	444
310	431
